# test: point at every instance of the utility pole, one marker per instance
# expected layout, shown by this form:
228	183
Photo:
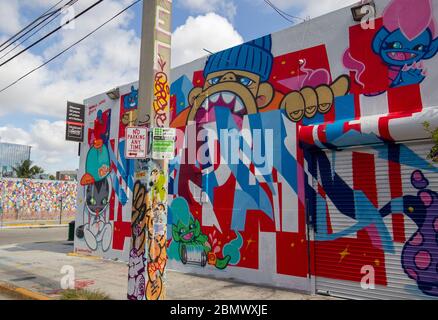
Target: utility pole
148	256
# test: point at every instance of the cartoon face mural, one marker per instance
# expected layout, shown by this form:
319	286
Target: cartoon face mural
402	47
98	231
194	247
130	105
130	101
97	196
336	156
106	181
405	40
234	81
219	208
98	164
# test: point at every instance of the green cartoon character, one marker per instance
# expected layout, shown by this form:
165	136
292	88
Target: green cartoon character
158	184
194	247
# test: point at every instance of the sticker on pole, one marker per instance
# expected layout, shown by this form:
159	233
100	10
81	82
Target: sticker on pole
136	146
163	143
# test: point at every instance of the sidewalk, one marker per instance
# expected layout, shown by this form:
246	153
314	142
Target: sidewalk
37	267
33	224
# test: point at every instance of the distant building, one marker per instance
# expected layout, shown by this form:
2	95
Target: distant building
11	155
42	176
67	175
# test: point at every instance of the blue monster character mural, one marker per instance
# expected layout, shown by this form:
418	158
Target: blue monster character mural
406	39
130	105
130	101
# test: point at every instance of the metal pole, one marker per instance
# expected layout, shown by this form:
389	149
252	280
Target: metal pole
149	201
60	213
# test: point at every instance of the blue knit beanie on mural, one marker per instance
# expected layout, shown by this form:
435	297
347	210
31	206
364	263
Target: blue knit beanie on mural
254	56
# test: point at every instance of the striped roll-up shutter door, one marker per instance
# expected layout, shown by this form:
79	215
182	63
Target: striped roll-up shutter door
360	226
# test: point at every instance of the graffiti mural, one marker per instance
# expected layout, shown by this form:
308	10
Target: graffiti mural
420	253
406	37
295	98
130	105
151	177
393	219
27	199
137	282
223	212
298	161
196	248
106	177
97	230
404	41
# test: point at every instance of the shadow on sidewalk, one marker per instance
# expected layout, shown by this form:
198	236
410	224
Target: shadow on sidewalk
56	247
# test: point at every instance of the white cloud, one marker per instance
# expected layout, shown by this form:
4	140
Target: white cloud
226	8
9	17
107	59
210	31
49	149
312	8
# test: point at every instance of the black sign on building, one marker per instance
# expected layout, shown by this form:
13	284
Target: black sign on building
75	122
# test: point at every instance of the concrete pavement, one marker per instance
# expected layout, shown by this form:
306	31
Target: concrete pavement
5	297
38	267
32	223
19	235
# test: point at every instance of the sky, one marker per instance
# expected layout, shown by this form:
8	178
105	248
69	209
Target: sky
33	111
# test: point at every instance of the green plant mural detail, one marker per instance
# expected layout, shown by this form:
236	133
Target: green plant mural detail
433	154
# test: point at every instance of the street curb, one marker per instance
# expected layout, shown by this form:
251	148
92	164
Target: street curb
84	256
22	292
39	226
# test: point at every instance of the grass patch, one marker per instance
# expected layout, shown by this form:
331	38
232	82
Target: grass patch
83	294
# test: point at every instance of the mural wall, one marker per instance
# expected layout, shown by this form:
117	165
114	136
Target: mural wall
24	199
343	85
301	160
103	224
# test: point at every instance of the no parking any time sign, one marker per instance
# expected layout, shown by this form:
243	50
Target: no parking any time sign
136	143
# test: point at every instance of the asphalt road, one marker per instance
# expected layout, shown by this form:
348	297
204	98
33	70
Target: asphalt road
19	236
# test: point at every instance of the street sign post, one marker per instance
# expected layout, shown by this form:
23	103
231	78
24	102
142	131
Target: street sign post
75	122
136	145
148	255
163	143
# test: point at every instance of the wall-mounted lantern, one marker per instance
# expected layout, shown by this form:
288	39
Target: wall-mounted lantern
366	8
114	94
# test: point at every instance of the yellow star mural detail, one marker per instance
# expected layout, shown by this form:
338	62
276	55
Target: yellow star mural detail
249	242
343	254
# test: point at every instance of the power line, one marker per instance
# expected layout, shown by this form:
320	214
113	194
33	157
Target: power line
288	14
71	46
30	24
282	13
53	17
52	32
46	17
278	11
